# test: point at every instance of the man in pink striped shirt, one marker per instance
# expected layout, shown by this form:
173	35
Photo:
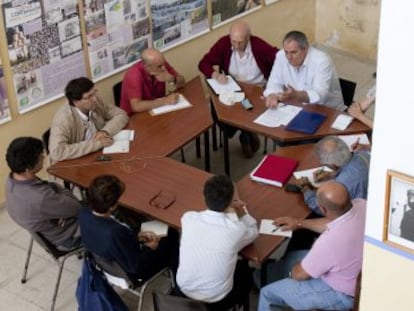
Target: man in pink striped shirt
325	276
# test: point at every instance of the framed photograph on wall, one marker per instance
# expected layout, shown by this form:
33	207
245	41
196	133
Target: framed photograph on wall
399	211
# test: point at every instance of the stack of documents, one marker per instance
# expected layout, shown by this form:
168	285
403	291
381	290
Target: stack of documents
281	115
182	103
357	138
121	142
219	88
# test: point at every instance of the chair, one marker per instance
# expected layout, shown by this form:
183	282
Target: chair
163	302
116	276
348	91
116	91
58	256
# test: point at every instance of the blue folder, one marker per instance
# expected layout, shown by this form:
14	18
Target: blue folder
306	122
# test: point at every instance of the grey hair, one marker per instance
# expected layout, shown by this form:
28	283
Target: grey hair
332	150
297	36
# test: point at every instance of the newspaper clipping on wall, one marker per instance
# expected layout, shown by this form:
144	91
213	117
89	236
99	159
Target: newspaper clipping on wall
117	32
45	48
176	21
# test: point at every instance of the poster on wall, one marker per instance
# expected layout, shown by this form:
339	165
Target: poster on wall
176	21
4	102
117	31
44	47
226	10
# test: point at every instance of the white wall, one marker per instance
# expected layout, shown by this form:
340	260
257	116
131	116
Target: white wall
387	275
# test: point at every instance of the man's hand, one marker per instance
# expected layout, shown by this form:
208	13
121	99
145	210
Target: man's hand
355	110
322	175
171	99
149	239
298	273
104	138
239	207
291	95
219	77
288	223
163	75
272	100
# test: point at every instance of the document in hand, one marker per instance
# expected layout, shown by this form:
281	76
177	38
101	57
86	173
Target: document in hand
267	227
306	122
158	227
181	104
274	170
120	142
230	86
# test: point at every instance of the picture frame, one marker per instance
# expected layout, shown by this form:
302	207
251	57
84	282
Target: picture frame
399	211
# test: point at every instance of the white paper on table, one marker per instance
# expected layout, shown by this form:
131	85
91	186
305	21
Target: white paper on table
267	227
124	135
156	226
342	122
219	88
281	115
118	146
352	139
309	174
181	104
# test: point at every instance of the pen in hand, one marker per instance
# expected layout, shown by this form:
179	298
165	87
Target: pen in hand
275	228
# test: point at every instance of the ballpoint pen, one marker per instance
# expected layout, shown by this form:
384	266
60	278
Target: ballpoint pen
275	228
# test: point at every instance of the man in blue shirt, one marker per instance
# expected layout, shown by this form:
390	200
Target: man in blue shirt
349	168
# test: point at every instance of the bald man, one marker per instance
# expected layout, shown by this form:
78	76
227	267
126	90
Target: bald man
145	83
247	58
325	276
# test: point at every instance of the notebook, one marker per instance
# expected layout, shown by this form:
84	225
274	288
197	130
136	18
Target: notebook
306	122
274	170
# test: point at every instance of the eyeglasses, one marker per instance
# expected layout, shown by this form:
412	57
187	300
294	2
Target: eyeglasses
91	95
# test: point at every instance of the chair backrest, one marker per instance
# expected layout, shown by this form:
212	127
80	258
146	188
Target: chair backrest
45	139
164	302
348	91
48	246
113	271
116	90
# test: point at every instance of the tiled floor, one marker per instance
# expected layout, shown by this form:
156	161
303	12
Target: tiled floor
37	292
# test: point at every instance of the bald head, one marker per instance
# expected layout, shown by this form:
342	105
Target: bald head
239	35
333	199
150	56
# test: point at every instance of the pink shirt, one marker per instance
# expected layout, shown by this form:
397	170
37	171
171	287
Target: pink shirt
137	83
336	256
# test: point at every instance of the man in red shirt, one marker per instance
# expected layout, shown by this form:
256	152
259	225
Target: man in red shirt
144	84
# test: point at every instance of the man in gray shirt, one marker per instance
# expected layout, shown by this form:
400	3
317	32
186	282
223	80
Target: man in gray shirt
35	204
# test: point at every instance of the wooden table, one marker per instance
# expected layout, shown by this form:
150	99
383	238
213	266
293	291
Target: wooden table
241	118
164	134
269	202
144	178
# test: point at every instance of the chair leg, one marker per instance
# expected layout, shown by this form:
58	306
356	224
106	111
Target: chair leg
198	147
182	155
26	265
265	145
55	293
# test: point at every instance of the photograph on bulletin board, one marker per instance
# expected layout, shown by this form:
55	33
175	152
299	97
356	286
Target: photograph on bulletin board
174	21
224	10
4	102
44	48
117	32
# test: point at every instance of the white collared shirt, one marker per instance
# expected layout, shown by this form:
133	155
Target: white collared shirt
316	76
244	68
90	126
210	243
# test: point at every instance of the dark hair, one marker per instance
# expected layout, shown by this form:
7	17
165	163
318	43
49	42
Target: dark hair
23	153
75	89
297	36
104	192
218	192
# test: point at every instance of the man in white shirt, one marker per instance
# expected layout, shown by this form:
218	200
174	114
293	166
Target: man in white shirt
303	74
210	242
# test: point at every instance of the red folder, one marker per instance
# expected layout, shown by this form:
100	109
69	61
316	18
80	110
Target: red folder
274	170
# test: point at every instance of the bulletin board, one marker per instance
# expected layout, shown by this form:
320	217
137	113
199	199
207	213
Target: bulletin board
50	42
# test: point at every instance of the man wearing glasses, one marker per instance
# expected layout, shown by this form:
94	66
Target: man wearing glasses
84	125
